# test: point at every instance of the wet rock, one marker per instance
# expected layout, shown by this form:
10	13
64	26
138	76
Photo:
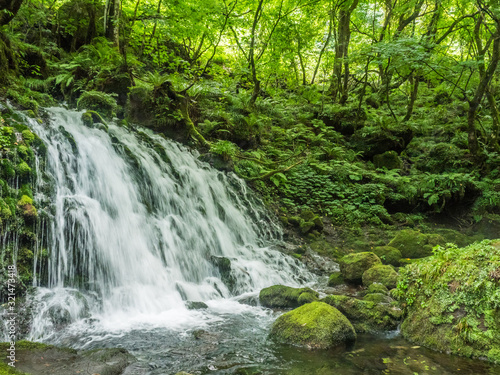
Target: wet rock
354	265
196	305
223	265
42	359
280	296
315	325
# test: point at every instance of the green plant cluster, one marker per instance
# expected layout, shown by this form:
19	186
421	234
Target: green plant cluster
18	212
452	300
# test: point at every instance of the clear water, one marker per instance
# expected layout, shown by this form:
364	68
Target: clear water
133	222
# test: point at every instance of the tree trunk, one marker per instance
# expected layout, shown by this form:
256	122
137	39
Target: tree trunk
251	55
8	10
112	24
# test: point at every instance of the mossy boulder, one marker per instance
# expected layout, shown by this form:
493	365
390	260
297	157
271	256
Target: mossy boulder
97	101
414	244
281	296
377	298
452	299
335	279
388	254
383	274
388	160
366	316
352	266
315	325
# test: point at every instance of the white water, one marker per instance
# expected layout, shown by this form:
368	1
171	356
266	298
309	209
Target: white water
134	221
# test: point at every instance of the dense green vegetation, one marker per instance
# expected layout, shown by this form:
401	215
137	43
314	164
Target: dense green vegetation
361	115
364	112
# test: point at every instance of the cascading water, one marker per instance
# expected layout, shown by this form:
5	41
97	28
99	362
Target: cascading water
138	226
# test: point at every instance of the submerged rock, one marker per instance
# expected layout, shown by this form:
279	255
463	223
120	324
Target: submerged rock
280	296
42	359
315	325
354	265
366	316
452	299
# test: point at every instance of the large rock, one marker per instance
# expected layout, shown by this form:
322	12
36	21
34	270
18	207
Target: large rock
388	254
354	265
315	325
366	316
280	296
42	359
413	244
452	299
382	274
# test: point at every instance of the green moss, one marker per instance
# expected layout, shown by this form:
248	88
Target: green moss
280	296
377	288
23	169
382	274
24	201
98	101
413	244
452	299
28	136
315	325
377	298
335	279
389	160
354	265
366	316
388	254
7	168
87	119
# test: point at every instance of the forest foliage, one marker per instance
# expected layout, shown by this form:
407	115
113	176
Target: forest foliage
364	111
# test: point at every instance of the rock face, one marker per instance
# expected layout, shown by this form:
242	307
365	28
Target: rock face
352	266
366	316
315	325
452	300
382	274
413	244
280	296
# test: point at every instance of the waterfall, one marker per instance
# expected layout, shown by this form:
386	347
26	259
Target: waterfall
137	226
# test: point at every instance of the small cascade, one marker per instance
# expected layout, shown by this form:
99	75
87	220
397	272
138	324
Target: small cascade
136	226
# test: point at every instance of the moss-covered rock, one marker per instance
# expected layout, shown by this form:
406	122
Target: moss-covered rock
382	274
335	279
377	298
389	160
98	101
452	299
388	254
196	305
280	296
414	244
366	316
315	325
352	266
